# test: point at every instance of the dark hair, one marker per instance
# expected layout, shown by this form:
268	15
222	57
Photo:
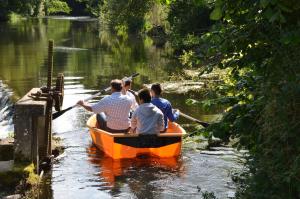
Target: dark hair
144	95
127	82
116	84
156	88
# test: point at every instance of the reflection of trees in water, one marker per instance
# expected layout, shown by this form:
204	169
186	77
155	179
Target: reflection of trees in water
135	54
23	59
140	174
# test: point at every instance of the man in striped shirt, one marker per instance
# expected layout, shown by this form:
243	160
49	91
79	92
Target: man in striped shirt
113	110
127	91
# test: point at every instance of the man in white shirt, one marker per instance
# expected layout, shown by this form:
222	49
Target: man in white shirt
113	110
147	118
127	91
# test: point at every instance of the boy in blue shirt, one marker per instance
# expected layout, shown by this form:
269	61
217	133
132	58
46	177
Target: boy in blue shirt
163	104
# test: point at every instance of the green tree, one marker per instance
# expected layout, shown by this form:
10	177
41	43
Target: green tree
124	15
188	20
85	7
56	7
22	7
258	42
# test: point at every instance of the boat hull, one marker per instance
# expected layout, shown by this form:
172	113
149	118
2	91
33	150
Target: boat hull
124	145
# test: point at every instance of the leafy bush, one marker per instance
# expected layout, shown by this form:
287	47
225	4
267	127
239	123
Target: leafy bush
124	13
56	7
188	19
85	7
4	11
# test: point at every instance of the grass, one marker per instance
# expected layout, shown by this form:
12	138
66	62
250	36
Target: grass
20	178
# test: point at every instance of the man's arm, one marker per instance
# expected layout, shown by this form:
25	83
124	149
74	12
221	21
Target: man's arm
85	105
133	123
96	108
161	122
172	116
134	105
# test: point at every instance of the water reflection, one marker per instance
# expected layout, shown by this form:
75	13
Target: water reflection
137	174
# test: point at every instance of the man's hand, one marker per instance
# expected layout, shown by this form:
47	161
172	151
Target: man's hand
176	110
80	102
132	131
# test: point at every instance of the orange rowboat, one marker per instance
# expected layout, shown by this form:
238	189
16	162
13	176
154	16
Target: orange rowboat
124	145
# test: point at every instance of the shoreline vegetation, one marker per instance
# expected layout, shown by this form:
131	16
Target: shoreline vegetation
255	44
20	180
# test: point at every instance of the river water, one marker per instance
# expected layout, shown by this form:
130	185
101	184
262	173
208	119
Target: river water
89	58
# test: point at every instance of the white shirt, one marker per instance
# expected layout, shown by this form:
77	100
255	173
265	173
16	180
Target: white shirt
134	104
116	108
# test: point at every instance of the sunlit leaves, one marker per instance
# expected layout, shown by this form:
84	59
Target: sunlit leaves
216	14
120	13
56	6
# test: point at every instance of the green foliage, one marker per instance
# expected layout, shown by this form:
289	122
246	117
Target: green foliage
258	43
21	7
20	173
188	20
124	13
3	10
57	7
157	17
84	7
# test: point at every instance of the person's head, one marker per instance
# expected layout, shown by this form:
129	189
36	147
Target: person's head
116	85
156	90
144	95
127	84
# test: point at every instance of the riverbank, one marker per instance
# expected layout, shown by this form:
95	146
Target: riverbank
20	180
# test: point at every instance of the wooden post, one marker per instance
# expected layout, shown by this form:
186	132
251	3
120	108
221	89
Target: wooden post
33	120
27	125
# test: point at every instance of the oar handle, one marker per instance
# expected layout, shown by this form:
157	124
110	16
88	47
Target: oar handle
204	124
134	75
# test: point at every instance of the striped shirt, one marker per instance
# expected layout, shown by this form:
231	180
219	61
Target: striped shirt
116	108
134	104
147	119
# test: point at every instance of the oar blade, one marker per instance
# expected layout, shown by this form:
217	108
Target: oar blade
59	113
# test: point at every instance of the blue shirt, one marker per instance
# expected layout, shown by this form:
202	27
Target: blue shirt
165	107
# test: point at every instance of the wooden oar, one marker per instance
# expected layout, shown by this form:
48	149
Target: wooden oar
59	113
204	124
